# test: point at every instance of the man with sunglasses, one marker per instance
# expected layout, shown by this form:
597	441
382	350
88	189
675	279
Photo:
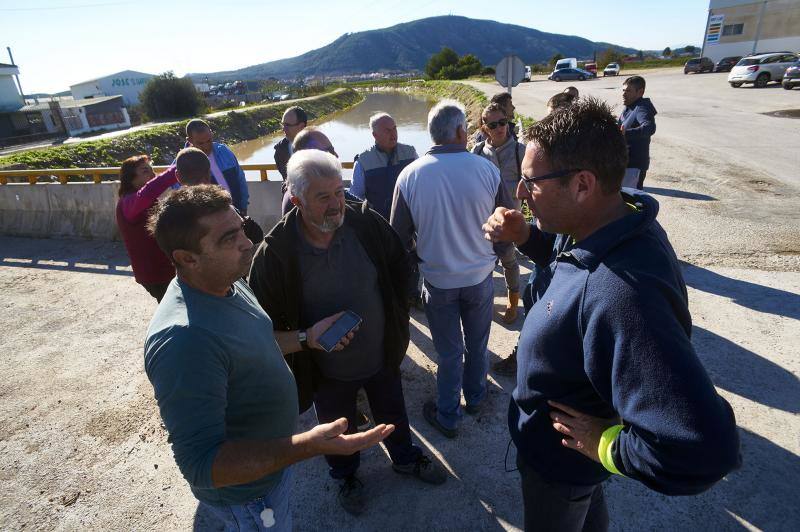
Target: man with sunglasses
608	380
293	122
503	99
505	152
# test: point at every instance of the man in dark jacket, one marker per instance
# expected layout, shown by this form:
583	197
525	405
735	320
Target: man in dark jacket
638	123
608	380
293	121
327	254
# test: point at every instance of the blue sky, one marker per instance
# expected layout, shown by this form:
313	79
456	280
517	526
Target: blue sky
60	42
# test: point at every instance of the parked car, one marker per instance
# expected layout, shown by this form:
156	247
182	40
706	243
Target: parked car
791	78
570	74
591	67
727	63
761	69
612	69
527	76
698	65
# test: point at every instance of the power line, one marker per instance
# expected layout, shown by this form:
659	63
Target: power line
52	8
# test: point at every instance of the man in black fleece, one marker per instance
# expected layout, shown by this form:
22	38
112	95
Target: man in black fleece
638	123
607	380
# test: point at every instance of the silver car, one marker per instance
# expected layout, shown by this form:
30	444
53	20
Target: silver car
761	69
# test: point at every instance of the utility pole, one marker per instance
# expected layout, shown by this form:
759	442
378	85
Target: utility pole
758	26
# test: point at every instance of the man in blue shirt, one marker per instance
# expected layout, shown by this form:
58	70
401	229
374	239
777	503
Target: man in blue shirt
224	390
225	169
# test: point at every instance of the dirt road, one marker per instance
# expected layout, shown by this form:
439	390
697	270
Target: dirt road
82	445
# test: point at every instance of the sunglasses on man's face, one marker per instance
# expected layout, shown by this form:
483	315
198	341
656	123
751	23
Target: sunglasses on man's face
497	123
529	181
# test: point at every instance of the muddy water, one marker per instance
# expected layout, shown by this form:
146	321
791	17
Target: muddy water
349	131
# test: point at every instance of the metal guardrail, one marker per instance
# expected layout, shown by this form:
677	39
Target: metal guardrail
63	174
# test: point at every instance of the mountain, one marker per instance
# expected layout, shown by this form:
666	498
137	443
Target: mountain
407	47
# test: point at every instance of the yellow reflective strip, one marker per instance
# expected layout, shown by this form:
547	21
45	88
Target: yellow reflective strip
604	448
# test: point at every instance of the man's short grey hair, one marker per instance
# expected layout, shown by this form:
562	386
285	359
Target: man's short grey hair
306	165
443	120
374	119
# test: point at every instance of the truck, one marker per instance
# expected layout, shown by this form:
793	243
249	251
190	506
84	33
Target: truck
568	62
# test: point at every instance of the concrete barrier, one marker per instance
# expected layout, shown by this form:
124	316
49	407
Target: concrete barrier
88	210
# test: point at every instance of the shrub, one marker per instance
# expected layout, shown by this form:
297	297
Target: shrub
447	65
166	96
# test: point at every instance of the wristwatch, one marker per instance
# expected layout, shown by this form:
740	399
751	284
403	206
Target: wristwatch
302	337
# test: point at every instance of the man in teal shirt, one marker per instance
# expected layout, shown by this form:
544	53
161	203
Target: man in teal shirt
226	395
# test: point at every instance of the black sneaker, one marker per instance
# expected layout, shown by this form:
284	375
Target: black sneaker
429	413
424	469
508	366
351	496
473	410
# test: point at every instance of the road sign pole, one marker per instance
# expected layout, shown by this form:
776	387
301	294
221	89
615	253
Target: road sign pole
509	69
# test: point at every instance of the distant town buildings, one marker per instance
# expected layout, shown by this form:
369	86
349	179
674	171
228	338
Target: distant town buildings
743	27
89	109
82	116
129	84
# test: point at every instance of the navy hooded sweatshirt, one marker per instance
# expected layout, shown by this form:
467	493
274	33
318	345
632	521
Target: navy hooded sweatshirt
609	335
639	120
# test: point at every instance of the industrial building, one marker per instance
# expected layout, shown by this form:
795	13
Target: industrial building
744	27
14	121
21	122
82	116
128	83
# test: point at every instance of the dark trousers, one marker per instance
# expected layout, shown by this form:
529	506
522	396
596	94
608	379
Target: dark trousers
413	283
642	174
335	399
561	507
157	290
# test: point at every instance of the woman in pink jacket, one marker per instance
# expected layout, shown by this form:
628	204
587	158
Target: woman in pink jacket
139	189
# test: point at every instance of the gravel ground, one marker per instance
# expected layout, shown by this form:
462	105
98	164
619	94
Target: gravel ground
83	446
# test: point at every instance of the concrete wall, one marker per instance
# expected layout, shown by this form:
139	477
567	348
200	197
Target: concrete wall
779	30
88	210
717	52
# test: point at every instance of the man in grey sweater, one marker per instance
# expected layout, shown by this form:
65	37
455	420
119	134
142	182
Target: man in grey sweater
443	198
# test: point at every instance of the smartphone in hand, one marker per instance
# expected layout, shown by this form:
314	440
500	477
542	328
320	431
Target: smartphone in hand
340	328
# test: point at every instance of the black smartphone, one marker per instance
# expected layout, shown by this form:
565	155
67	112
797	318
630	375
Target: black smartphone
346	323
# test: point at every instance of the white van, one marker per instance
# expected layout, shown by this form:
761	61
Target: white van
527	76
569	62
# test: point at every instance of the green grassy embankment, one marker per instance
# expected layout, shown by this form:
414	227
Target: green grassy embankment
473	100
163	142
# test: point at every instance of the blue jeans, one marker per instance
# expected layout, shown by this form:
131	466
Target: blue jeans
270	513
463	360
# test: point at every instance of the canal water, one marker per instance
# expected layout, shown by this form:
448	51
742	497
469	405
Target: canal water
349	131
